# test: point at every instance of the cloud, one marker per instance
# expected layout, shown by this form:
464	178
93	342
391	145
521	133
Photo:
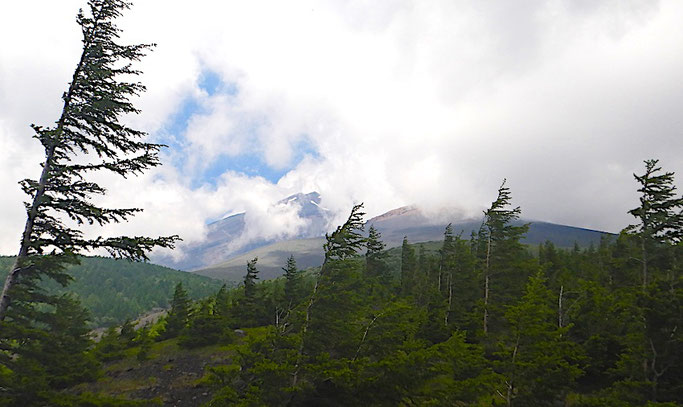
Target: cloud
431	103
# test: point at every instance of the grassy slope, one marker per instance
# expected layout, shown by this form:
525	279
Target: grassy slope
171	376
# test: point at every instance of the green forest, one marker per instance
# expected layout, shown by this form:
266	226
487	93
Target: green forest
116	290
482	321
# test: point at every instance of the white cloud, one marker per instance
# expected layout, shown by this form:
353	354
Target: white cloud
405	102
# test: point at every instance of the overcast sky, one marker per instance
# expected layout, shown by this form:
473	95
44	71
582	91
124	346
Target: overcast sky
390	103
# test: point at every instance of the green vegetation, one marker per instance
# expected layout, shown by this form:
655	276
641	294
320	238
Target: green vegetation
116	290
478	322
484	321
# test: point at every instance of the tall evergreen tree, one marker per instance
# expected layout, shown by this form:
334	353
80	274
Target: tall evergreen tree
446	256
408	267
537	359
46	356
250	309
375	255
340	245
179	313
222	304
660	213
250	280
87	137
293	289
501	242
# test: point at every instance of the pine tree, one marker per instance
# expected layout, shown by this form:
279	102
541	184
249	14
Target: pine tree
537	359
500	240
347	239
144	340
128	333
204	327
462	286
87	137
651	359
375	254
249	308
446	255
250	280
341	244
408	268
446	268
293	289
222	304
46	356
660	213
178	316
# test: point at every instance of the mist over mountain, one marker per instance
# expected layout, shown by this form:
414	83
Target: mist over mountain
232	236
408	221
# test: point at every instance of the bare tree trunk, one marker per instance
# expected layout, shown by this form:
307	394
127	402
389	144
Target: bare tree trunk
644	251
450	300
304	329
365	334
439	283
510	385
486	284
559	308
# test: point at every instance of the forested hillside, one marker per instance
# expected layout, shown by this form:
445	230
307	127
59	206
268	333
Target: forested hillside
480	321
496	312
394	228
116	290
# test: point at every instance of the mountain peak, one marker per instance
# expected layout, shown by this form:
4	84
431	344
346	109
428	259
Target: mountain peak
404	210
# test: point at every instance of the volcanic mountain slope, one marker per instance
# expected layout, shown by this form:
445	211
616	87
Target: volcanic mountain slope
408	221
225	238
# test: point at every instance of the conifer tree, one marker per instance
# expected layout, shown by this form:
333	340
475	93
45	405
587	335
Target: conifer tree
144	340
250	280
127	333
537	359
222	304
446	268
347	239
204	327
501	241
87	137
660	213
249	307
447	253
341	244
375	254
292	282
179	314
41	358
408	267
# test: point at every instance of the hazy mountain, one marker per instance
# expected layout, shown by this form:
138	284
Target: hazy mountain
408	221
271	259
421	227
219	245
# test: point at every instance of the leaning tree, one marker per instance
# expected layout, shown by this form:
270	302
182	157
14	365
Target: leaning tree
89	136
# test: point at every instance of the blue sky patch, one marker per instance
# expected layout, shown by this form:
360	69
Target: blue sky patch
250	163
210	82
253	164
